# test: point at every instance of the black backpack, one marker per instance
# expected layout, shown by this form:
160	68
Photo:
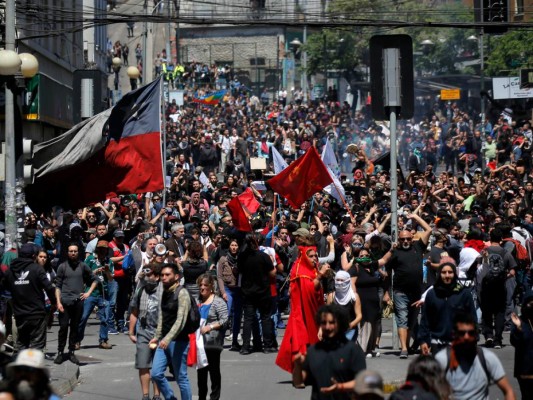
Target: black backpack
496	272
193	319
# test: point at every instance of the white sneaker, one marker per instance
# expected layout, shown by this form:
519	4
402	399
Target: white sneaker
369	355
229	338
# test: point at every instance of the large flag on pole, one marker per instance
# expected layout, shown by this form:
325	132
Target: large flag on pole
115	152
303	178
241	208
335	188
279	162
329	159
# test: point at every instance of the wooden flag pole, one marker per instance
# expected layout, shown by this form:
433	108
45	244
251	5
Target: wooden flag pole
273	221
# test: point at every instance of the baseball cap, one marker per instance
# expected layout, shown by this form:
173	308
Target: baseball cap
28	250
29	358
369	382
118	234
102	243
301	232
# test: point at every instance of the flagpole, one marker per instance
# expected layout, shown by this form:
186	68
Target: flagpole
164	155
344	201
273	222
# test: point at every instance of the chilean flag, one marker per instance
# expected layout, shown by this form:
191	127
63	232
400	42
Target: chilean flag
115	152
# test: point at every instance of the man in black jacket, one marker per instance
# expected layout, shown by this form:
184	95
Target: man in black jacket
71	277
27	282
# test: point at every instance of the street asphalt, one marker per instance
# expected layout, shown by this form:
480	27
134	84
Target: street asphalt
109	374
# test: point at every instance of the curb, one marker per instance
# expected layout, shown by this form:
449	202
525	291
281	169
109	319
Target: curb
65	381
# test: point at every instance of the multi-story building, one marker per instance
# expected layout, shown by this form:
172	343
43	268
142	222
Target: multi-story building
52	30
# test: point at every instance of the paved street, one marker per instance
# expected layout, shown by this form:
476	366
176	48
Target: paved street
109	374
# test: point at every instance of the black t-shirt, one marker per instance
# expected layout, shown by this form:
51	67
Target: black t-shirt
254	267
408	268
341	360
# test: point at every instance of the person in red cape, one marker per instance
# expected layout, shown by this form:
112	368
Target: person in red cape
307	297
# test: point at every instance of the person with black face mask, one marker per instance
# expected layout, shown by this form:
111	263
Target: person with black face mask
27	378
471	379
144	307
522	340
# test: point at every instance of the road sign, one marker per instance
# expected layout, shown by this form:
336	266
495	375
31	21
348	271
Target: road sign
450	94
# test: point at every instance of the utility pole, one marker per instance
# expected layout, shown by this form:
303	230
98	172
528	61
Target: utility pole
304	67
145	43
10	169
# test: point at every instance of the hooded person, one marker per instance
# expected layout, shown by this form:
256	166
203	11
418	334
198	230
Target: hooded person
347	298
522	340
27	282
306	296
469	254
446	298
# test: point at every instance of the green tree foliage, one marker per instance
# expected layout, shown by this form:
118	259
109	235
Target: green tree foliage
449	46
509	53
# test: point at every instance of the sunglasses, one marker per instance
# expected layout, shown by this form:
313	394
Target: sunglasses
405	239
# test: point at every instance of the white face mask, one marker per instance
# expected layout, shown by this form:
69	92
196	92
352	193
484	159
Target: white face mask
342	285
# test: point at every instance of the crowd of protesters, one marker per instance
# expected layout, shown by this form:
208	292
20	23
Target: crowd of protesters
463	255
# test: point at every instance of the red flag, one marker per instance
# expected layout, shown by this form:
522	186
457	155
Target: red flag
238	216
248	201
303	178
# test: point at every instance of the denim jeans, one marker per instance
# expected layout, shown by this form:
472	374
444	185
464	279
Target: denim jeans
111	296
235	301
404	313
103	316
176	353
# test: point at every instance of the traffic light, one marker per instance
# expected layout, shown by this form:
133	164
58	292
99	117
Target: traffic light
495	11
27	153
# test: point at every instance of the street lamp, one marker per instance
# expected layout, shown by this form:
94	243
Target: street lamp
11	65
133	73
473	38
116	64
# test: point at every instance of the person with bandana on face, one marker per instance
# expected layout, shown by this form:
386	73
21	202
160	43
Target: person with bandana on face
522	340
306	296
347	298
144	307
469	369
369	279
441	303
321	368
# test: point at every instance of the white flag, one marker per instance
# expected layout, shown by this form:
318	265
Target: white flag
203	180
329	159
279	163
335	189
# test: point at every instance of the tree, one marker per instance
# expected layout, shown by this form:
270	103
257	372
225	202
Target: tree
509	53
326	51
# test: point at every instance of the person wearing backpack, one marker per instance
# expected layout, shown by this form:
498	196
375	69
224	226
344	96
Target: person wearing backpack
498	265
172	334
470	369
514	287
